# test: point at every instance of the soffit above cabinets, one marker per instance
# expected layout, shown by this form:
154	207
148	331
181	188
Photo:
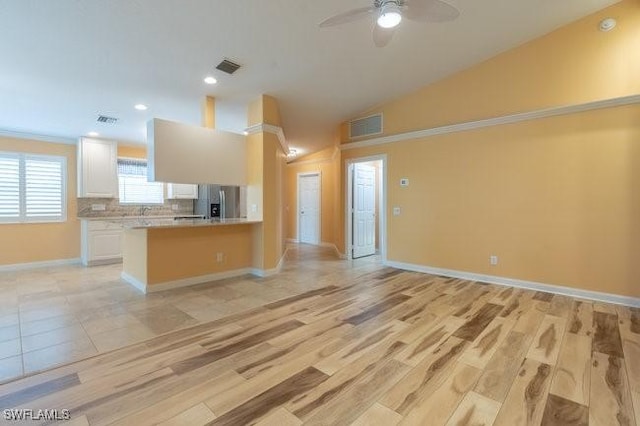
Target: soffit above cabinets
182	153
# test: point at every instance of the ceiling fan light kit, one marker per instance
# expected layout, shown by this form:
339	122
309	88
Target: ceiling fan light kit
387	15
390	15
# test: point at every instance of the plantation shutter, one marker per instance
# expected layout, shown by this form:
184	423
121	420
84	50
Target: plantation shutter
44	188
9	187
32	188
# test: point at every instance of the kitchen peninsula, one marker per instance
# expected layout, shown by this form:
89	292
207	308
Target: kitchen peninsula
163	254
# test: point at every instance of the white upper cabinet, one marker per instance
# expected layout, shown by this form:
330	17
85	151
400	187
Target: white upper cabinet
183	191
97	168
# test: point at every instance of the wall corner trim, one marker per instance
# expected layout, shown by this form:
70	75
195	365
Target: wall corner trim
270	128
36	265
513	282
496	121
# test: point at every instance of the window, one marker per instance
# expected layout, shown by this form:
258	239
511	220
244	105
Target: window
133	185
32	188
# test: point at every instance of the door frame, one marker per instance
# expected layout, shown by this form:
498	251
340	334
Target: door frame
382	210
319	224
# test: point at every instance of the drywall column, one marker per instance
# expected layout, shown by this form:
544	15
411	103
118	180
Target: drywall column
266	162
209	112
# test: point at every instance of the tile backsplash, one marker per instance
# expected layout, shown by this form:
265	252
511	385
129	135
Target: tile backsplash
113	208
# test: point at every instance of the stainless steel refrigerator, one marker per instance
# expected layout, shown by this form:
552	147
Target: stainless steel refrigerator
220	202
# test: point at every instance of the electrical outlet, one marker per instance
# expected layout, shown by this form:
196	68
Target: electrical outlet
493	260
220	257
254	208
175	207
404	182
396	211
98	207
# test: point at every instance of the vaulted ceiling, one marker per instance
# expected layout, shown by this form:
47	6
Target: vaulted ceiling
66	61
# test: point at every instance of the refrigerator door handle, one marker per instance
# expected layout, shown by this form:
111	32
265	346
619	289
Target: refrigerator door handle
223	207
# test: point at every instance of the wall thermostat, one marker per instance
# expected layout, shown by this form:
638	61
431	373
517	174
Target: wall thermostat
404	182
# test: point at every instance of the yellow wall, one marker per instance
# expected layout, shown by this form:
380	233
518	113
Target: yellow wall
553	198
25	243
326	162
574	64
178	253
266	188
132	151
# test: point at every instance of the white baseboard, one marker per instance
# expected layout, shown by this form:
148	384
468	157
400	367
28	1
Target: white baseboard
36	265
134	281
335	248
185	282
293	240
102	262
512	282
263	273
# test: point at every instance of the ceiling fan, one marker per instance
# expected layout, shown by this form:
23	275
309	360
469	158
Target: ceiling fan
389	14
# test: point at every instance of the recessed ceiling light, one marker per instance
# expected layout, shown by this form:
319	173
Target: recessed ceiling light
93	134
245	133
210	80
141	107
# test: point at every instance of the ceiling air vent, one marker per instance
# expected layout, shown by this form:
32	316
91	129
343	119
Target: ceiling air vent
228	66
107	120
366	126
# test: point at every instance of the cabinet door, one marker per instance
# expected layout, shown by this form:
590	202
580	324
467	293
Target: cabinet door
98	168
182	191
104	245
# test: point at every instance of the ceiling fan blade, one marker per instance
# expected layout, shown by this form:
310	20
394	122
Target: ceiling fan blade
350	16
430	11
382	36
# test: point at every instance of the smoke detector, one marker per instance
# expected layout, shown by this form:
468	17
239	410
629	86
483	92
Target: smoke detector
607	24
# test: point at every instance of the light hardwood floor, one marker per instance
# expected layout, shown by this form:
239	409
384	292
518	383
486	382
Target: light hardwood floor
365	345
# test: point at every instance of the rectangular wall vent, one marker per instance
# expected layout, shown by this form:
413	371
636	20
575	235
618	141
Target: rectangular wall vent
366	126
107	120
228	66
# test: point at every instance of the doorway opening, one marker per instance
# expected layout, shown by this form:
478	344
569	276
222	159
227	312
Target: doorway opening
366	207
309	207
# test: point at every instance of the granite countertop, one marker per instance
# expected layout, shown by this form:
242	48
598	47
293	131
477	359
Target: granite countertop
148	223
130	218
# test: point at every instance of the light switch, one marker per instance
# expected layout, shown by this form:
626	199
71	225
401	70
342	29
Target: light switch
396	211
254	208
404	182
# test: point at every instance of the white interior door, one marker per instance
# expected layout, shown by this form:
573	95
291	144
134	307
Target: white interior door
309	208
364	215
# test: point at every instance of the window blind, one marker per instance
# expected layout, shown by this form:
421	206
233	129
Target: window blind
133	185
32	188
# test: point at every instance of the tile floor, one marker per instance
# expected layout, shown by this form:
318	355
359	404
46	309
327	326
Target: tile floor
57	315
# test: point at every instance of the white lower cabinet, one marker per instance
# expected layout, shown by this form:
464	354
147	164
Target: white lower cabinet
101	242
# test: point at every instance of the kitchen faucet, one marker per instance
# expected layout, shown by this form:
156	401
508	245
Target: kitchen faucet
144	210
